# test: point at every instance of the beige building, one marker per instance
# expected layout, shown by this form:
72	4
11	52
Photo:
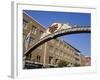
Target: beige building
88	61
32	31
83	60
49	54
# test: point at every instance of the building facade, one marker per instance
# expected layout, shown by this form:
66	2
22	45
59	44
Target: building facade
54	53
83	60
88	61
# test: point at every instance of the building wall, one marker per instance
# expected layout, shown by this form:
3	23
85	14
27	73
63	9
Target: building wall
34	29
88	61
60	51
83	60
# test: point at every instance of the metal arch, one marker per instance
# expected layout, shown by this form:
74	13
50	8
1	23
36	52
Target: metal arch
57	34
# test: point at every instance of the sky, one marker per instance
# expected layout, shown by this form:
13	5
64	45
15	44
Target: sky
80	41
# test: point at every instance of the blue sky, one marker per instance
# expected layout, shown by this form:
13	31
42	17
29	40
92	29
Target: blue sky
79	41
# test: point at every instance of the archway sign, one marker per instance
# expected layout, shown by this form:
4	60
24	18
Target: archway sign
57	30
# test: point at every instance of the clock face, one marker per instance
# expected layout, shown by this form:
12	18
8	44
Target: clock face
53	28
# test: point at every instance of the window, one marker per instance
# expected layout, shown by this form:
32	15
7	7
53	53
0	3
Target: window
56	61
38	58
34	29
24	23
31	41
50	59
76	54
41	32
76	59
